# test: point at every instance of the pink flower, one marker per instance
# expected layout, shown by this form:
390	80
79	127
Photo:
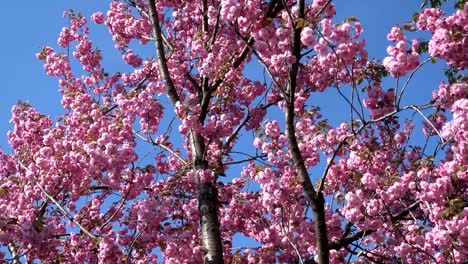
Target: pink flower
307	37
98	18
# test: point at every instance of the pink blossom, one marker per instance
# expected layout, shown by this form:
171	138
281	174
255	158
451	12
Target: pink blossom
98	17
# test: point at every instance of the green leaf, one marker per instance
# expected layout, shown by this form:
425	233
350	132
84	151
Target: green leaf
460	4
340	198
300	23
351	19
436	3
423	4
423	47
409	28
4	191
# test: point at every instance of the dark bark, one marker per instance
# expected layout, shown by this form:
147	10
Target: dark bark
348	239
315	198
162	61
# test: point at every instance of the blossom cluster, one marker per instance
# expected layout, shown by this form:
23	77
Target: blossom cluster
449	39
401	60
117	178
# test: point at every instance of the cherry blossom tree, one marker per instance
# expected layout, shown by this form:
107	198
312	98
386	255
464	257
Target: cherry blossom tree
230	153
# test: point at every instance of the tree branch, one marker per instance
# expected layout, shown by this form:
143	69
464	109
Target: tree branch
208	91
315	199
337	245
162	61
14	253
168	149
400	96
65	212
60	207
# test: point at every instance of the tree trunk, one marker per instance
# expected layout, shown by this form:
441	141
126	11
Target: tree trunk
207	206
207	192
211	235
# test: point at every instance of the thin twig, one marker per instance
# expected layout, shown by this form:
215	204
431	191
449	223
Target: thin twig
408	80
160	145
261	60
430	123
130	247
65	212
60	207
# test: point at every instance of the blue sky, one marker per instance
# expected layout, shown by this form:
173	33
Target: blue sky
26	26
